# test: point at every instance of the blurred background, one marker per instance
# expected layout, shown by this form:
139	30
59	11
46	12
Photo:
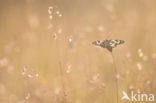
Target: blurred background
47	56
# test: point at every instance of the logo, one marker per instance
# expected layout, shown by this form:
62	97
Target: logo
140	97
108	44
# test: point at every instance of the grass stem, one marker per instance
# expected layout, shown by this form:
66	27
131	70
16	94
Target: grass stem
116	79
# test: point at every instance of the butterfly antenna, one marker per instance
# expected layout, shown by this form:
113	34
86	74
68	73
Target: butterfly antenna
109	35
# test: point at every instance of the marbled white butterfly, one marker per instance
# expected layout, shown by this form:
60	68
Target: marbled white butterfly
108	44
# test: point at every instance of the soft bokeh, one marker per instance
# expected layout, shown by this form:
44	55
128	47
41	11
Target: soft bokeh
47	56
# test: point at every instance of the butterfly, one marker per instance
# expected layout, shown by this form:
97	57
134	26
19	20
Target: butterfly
108	44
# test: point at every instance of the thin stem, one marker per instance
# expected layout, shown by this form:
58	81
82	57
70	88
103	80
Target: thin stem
61	72
116	72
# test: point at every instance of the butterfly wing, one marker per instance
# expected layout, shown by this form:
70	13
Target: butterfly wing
109	48
109	44
115	43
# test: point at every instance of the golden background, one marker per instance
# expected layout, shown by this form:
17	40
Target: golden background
47	56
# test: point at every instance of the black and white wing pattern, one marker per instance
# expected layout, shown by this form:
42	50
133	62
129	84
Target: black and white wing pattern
108	44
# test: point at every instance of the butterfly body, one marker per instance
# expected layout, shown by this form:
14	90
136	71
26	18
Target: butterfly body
108	44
